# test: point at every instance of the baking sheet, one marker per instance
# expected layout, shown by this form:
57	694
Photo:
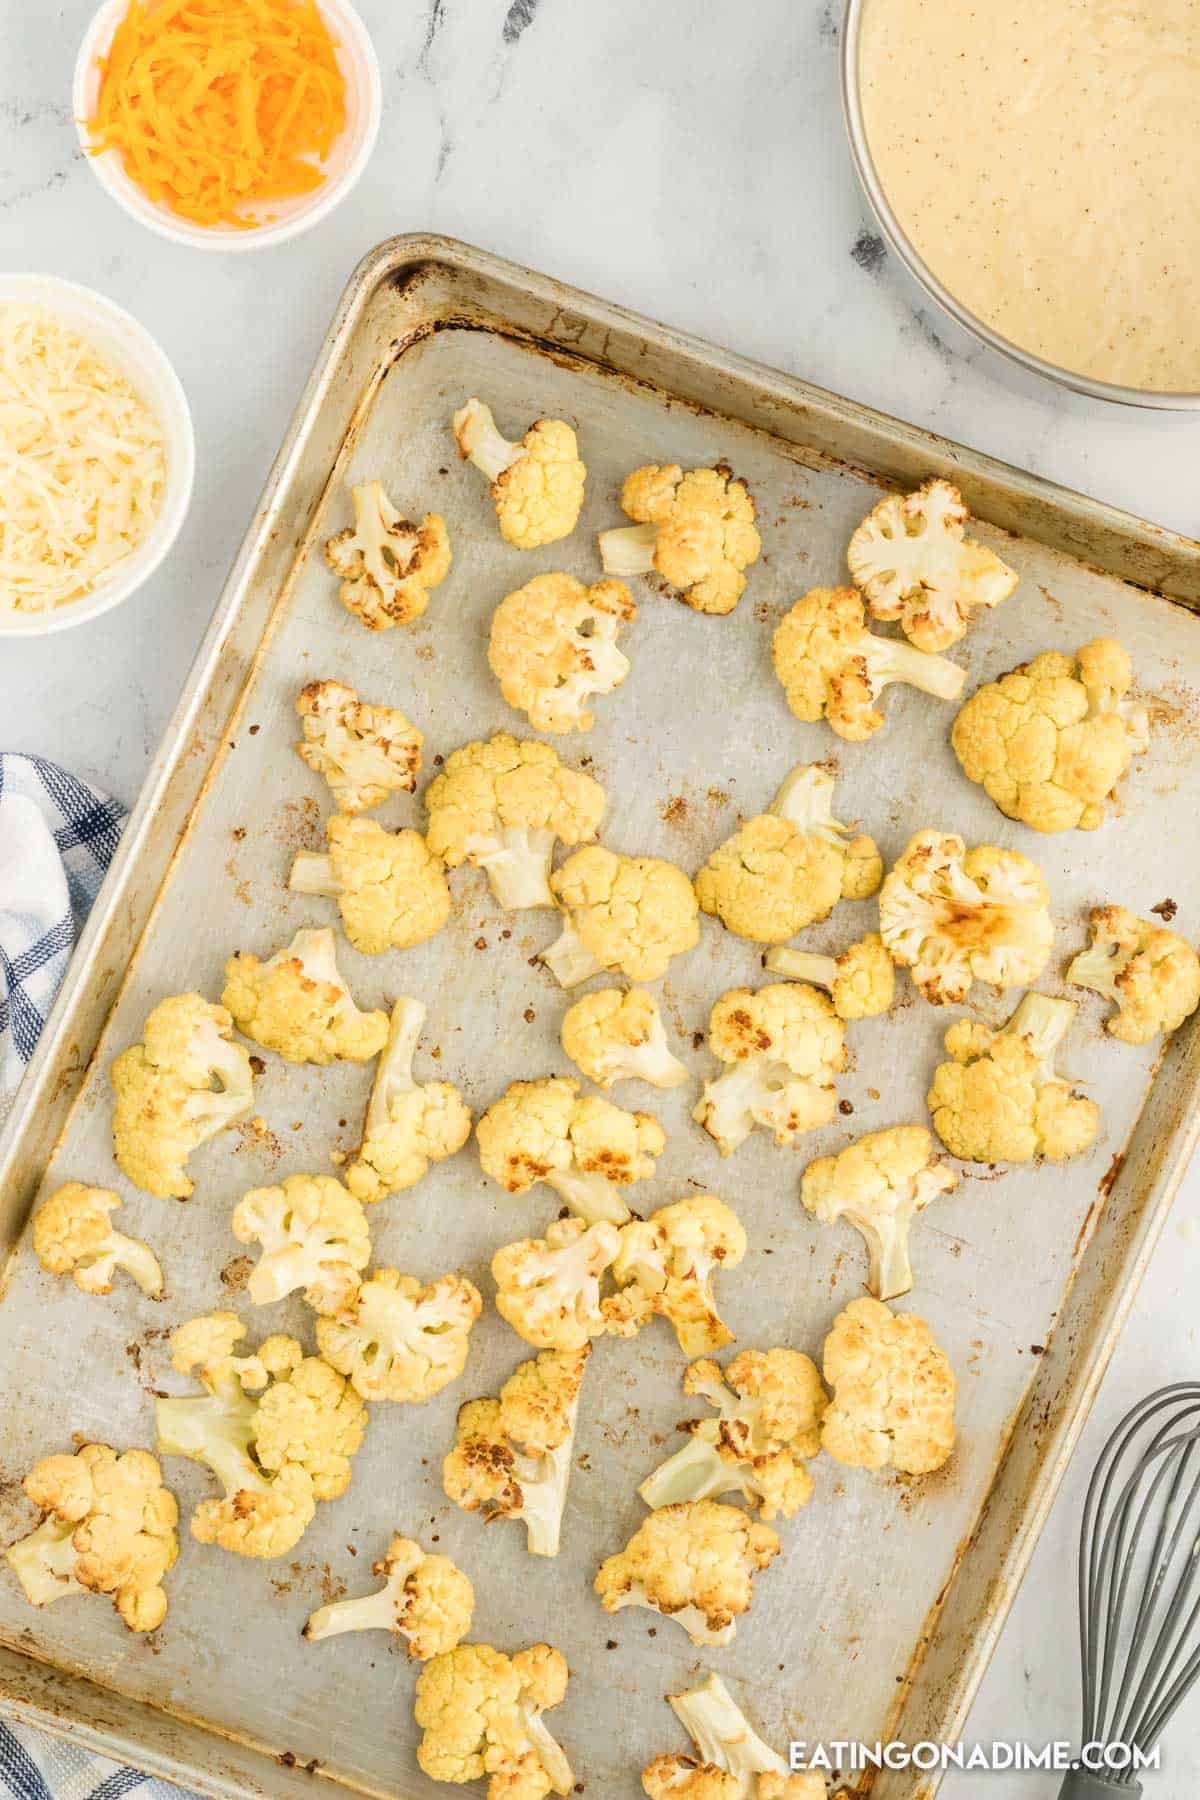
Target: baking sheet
698	736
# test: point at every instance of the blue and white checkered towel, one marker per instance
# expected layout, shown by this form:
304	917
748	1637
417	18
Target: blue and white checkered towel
57	838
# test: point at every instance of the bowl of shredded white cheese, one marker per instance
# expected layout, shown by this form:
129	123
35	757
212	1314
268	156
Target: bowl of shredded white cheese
97	451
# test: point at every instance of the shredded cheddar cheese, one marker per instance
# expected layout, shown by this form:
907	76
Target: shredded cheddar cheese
219	106
82	464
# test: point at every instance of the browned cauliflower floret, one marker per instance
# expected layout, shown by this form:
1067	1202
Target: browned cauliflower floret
1153	974
616	1036
407	1126
553	645
537	485
832	667
549	1288
389	886
481	1714
427	1600
861	981
694	1563
364	752
512	1456
734	1762
500	804
784	1045
298	1005
789	867
953	916
109	1528
893	1391
397	1340
628	914
914	562
1050	741
73	1235
184	1084
388	567
695	530
586	1148
275	1455
879	1184
666	1264
999	1099
313	1235
768	1406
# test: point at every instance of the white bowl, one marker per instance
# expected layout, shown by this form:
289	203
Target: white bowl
345	163
131	349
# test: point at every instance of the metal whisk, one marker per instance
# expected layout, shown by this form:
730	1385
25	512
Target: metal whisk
1139	1589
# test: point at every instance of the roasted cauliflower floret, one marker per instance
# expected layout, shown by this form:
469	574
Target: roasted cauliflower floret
481	1714
694	1563
186	1082
553	645
298	1004
73	1235
879	1184
407	1126
427	1600
1050	741
390	887
108	1528
784	1045
512	1456
625	914
388	566
397	1340
893	1391
549	1288
364	752
999	1098
586	1148
695	530
832	667
861	981
666	1265
952	916
275	1455
614	1036
789	867
500	804
735	1762
537	485
914	562
1151	973
313	1235
768	1406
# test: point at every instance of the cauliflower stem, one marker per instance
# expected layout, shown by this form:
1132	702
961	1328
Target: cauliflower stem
722	1733
628	550
516	861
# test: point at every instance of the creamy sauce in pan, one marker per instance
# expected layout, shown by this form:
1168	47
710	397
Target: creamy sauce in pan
1044	158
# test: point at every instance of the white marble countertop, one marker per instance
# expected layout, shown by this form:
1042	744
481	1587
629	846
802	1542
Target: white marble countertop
685	161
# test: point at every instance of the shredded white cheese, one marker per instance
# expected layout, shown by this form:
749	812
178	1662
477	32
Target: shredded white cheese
82	464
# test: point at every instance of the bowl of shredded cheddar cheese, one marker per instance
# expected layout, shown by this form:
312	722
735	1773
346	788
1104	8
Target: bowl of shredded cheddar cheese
228	124
97	447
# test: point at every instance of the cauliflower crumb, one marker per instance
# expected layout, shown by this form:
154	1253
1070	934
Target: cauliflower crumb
915	563
832	667
999	1099
73	1235
789	867
298	1005
408	1126
364	752
388	567
553	645
1151	973
389	886
586	1149
784	1045
629	914
613	1036
893	1392
879	1183
861	981
695	530
694	1563
397	1340
537	485
481	1712
426	1600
